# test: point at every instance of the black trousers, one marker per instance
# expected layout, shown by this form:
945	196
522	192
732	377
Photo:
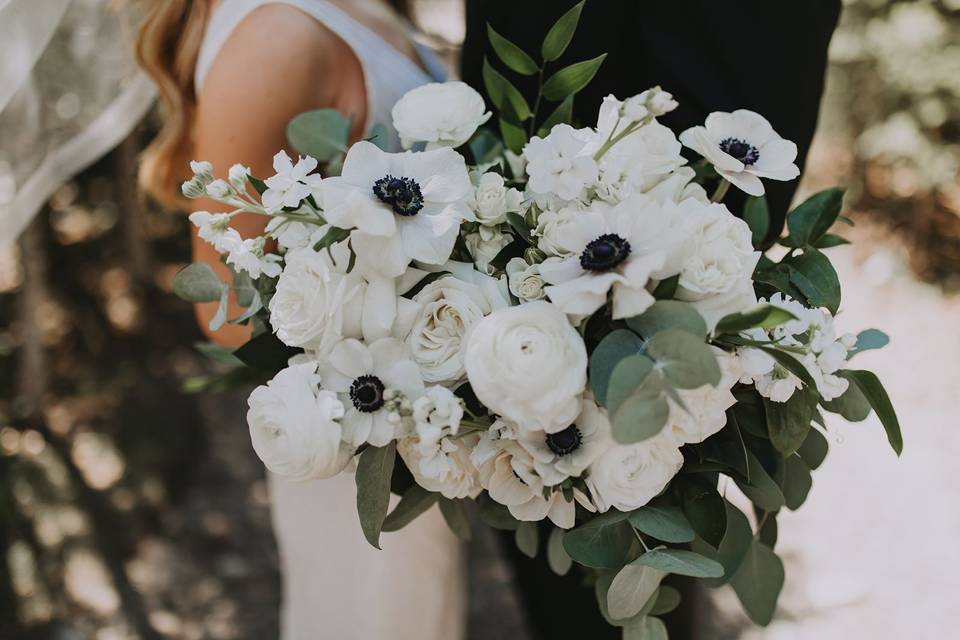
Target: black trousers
713	56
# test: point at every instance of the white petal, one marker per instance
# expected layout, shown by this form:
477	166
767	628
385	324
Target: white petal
351	358
746	182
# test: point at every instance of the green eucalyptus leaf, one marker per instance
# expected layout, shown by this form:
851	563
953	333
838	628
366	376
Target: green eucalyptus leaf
813	217
197	282
868	340
758	583
244	288
379	135
645	628
681	562
322	134
374	470
561	33
732	548
813	274
874	392
221	315
631	589
254	305
563	114
602	543
669	314
640	416
455	515
764	316
414	502
628	375
527	537
557	558
665	523
504	95
687	362
571	79
667	600
614	347
217	353
511	55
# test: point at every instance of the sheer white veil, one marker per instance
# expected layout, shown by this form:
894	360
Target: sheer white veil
70	91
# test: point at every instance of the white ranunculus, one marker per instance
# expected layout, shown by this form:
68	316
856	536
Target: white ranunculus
525	280
528	364
367	379
315	303
550	230
628	476
561	163
492	200
400	206
619	249
743	147
704	410
442	114
294	425
484	247
568	453
448	308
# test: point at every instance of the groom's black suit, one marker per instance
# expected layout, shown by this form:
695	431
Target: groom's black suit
713	56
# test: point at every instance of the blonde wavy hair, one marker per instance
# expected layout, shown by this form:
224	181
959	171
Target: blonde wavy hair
167	49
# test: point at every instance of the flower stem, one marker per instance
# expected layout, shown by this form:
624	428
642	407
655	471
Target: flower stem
536	104
721	191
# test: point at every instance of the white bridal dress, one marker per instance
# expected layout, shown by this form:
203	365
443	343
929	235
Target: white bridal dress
335	585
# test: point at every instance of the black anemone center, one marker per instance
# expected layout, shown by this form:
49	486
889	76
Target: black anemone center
566	441
402	194
605	253
742	151
366	393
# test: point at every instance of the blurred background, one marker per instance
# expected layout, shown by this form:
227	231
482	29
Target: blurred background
126	511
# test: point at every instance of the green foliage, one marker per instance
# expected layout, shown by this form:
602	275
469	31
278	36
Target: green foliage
640	416
814	449
645	628
852	405
681	562
789	422
602	543
505	96
791	364
217	353
510	54
632	588
811	219
561	33
455	514
562	114
732	548
331	237
762	490
496	515
666	523
414	502
756	214
868	340
518	224
374	470
704	508
627	378
322	134
758	582
814	276
876	395
572	78
514	137
763	316
793	476
686	361
667	599
557	558
614	347
669	314
266	352
527	537
197	282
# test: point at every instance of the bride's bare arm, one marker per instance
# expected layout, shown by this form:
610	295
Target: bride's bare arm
277	63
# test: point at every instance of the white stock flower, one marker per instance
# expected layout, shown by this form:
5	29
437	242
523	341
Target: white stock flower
201	169
638	162
628	476
365	377
743	147
525	280
219	189
315	303
492	200
292	234
238	176
401	206
704	410
215	229
436	414
291	184
561	163
568	453
293	425
448	308
717	274
528	364
506	471
484	249
248	255
442	114
618	249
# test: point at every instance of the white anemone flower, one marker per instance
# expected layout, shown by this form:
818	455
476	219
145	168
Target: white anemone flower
743	147
291	184
400	206
619	249
366	378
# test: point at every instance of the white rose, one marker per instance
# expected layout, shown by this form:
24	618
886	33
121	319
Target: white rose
315	305
442	114
485	249
626	477
525	280
293	425
550	232
448	308
492	199
704	410
529	365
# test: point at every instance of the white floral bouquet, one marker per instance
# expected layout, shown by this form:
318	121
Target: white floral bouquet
559	323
